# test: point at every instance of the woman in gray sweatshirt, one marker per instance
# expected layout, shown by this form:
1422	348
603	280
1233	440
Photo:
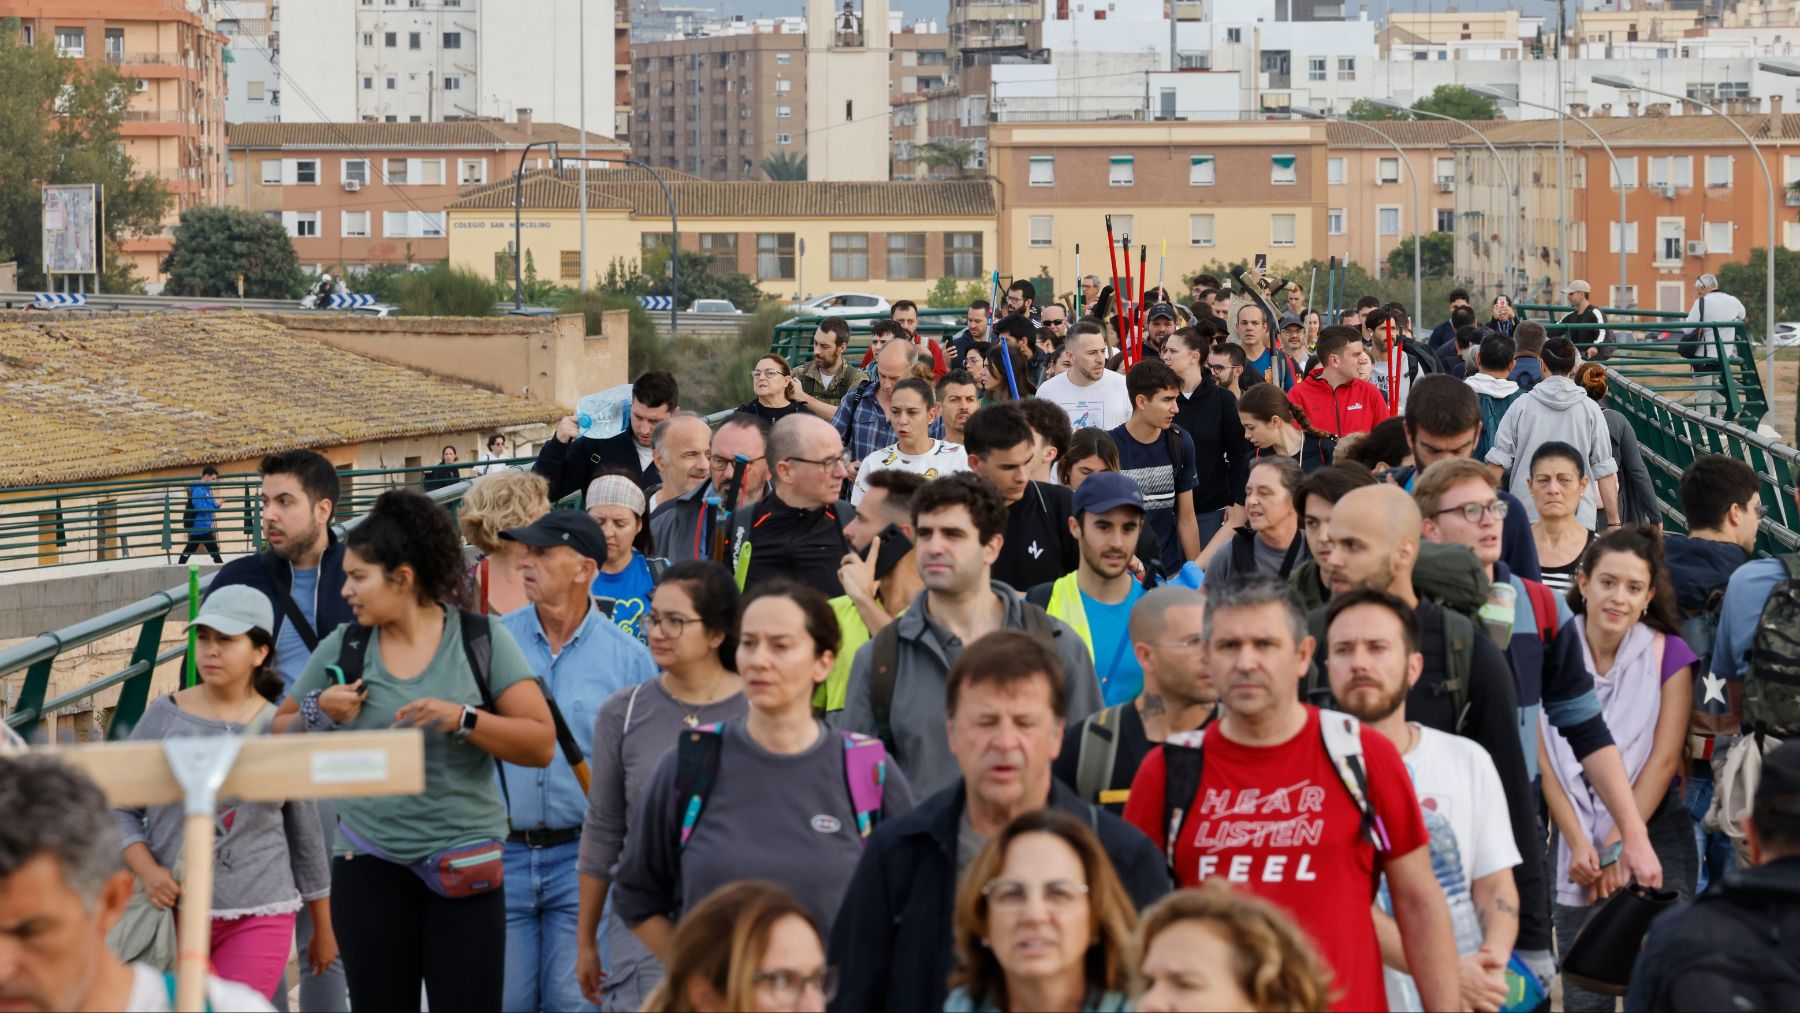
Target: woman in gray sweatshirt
268	859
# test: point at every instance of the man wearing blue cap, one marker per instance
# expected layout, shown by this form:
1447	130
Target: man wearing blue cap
1096	599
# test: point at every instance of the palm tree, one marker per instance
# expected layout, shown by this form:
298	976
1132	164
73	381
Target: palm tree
954	153
785	166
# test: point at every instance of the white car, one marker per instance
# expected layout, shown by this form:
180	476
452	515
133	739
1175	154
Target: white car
833	303
720	306
1787	334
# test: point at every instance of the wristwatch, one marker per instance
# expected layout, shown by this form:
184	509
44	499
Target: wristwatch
465	727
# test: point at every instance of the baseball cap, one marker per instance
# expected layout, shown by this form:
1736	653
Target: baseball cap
1161	309
563	527
1578	286
1290	320
236	609
1706	281
1107	490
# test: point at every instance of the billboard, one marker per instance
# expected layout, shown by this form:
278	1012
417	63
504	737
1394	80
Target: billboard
72	229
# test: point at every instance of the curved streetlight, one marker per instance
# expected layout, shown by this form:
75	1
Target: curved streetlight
1412	176
518	205
1505	174
1627	84
1618	177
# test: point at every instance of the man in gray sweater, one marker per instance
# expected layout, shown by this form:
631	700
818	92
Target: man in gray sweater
898	679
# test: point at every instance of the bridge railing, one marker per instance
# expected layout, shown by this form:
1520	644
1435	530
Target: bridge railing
794	336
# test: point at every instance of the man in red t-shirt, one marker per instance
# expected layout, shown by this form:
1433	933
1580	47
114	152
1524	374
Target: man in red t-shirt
905	315
1272	815
1332	396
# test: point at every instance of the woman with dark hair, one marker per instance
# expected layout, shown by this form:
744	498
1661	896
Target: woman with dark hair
769	379
276	862
806	796
1277	427
1382	447
445	474
1090	450
630	572
1637	496
1558	480
415	881
1221	949
996	389
1042	922
750	946
493	450
1626	616
693	630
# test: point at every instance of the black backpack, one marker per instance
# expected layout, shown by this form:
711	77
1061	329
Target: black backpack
1733	949
884	667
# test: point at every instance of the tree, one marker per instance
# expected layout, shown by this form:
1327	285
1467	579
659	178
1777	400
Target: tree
1745	279
954	153
1437	256
700	279
946	296
785	167
1364	109
215	245
1458	102
60	124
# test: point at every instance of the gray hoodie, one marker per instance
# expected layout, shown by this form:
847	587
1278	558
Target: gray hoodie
1555	410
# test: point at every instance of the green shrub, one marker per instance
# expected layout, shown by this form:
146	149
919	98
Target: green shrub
444	291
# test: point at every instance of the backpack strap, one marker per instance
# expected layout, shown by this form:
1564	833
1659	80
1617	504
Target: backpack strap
1343	744
1243	552
696	769
865	774
1459	657
478	647
1099	754
1177	460
348	668
1543	610
658	566
884	668
1039	595
1182	767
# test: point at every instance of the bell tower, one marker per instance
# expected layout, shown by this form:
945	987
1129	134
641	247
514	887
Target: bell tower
847	90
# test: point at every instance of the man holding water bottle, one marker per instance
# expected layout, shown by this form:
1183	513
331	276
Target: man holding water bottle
570	460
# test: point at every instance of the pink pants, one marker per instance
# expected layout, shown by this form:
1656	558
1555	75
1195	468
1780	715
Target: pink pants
253	950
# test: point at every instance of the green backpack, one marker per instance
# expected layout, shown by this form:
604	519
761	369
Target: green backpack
1772	678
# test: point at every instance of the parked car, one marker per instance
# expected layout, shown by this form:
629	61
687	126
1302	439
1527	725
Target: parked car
714	306
1787	334
840	302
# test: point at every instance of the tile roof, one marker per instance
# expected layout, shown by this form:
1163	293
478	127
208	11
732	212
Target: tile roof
109	395
1408	133
1703	128
545	190
458	134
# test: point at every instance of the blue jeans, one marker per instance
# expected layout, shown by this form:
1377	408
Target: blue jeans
1716	854
543	900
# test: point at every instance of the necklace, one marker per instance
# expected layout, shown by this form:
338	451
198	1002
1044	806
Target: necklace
219	715
691	718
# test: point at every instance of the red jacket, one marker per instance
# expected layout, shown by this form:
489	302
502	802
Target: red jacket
1356	407
938	366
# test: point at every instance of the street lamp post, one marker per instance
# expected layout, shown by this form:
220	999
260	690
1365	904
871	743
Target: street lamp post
1412	175
1505	175
518	205
1618	177
1627	84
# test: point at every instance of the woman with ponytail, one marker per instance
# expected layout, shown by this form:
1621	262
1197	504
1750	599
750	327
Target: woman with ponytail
1277	427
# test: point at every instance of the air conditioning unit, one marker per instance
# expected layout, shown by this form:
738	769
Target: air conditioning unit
1667	190
1696	248
1446	185
351	186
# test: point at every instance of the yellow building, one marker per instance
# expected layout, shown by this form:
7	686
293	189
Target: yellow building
795	239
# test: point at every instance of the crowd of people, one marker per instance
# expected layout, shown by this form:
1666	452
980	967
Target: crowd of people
1248	677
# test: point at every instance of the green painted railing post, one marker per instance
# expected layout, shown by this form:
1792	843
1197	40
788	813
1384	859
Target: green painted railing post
191	668
37	683
134	695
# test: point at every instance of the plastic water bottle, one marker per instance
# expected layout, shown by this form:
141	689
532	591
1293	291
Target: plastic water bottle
1497	612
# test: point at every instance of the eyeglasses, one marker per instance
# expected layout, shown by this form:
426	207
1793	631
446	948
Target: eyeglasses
1218	370
724	463
1056	323
1011	895
1472	512
762	374
786	987
670	625
828	463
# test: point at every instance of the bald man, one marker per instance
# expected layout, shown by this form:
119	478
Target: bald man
679	445
797	530
861	420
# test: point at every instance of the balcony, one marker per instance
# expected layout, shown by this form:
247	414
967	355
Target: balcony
146	58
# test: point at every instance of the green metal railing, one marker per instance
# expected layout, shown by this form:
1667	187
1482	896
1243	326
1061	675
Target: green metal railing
793	338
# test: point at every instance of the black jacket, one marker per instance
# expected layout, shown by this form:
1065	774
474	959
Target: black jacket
1221	452
806	545
273	576
892	939
568	467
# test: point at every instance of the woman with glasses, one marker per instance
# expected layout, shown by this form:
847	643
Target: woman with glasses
1042	922
693	629
769	379
630	573
1558	480
750	946
775	795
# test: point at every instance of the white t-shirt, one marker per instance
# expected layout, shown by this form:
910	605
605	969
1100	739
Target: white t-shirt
644	455
942	458
1455	778
150	993
1103	404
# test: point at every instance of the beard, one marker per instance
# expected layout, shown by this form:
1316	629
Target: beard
1371	711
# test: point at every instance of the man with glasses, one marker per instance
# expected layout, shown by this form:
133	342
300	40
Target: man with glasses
681	528
1090	291
797	531
1226	363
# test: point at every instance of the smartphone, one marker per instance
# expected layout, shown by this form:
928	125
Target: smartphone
1262	264
894	547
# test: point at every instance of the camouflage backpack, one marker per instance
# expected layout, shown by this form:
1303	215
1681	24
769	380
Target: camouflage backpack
1772	679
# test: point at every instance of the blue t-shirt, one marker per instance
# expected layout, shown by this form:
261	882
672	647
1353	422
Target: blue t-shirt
1150	466
630	590
1266	361
1121	677
290	650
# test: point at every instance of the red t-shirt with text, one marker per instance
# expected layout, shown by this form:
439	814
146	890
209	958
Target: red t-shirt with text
1277	821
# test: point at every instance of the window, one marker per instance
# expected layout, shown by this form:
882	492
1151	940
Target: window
1334	222
368	38
1281	230
570	266
1387	221
452	82
905	256
1043	230
355	170
1623	299
368	82
782	85
1718	170
412	40
784	138
431	172
1387	170
775	256
1671	236
306	171
301	224
849	256
784	58
1346	68
1122	225
395	171
392	81
470	171
1444	169
1201	170
1334	170
1200	230
253	91
1315	68
355	224
271	171
1234	35
71	42
412	224
720	249
962	253
783	112
1121	171
1631	237
452	40
1718	236
1043	170
390	39
1627	168
1671	170
1282	170
1446	220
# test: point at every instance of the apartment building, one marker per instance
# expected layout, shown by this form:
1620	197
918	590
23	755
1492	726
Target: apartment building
795	239
174	126
354	195
1212	191
1371	186
252	73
